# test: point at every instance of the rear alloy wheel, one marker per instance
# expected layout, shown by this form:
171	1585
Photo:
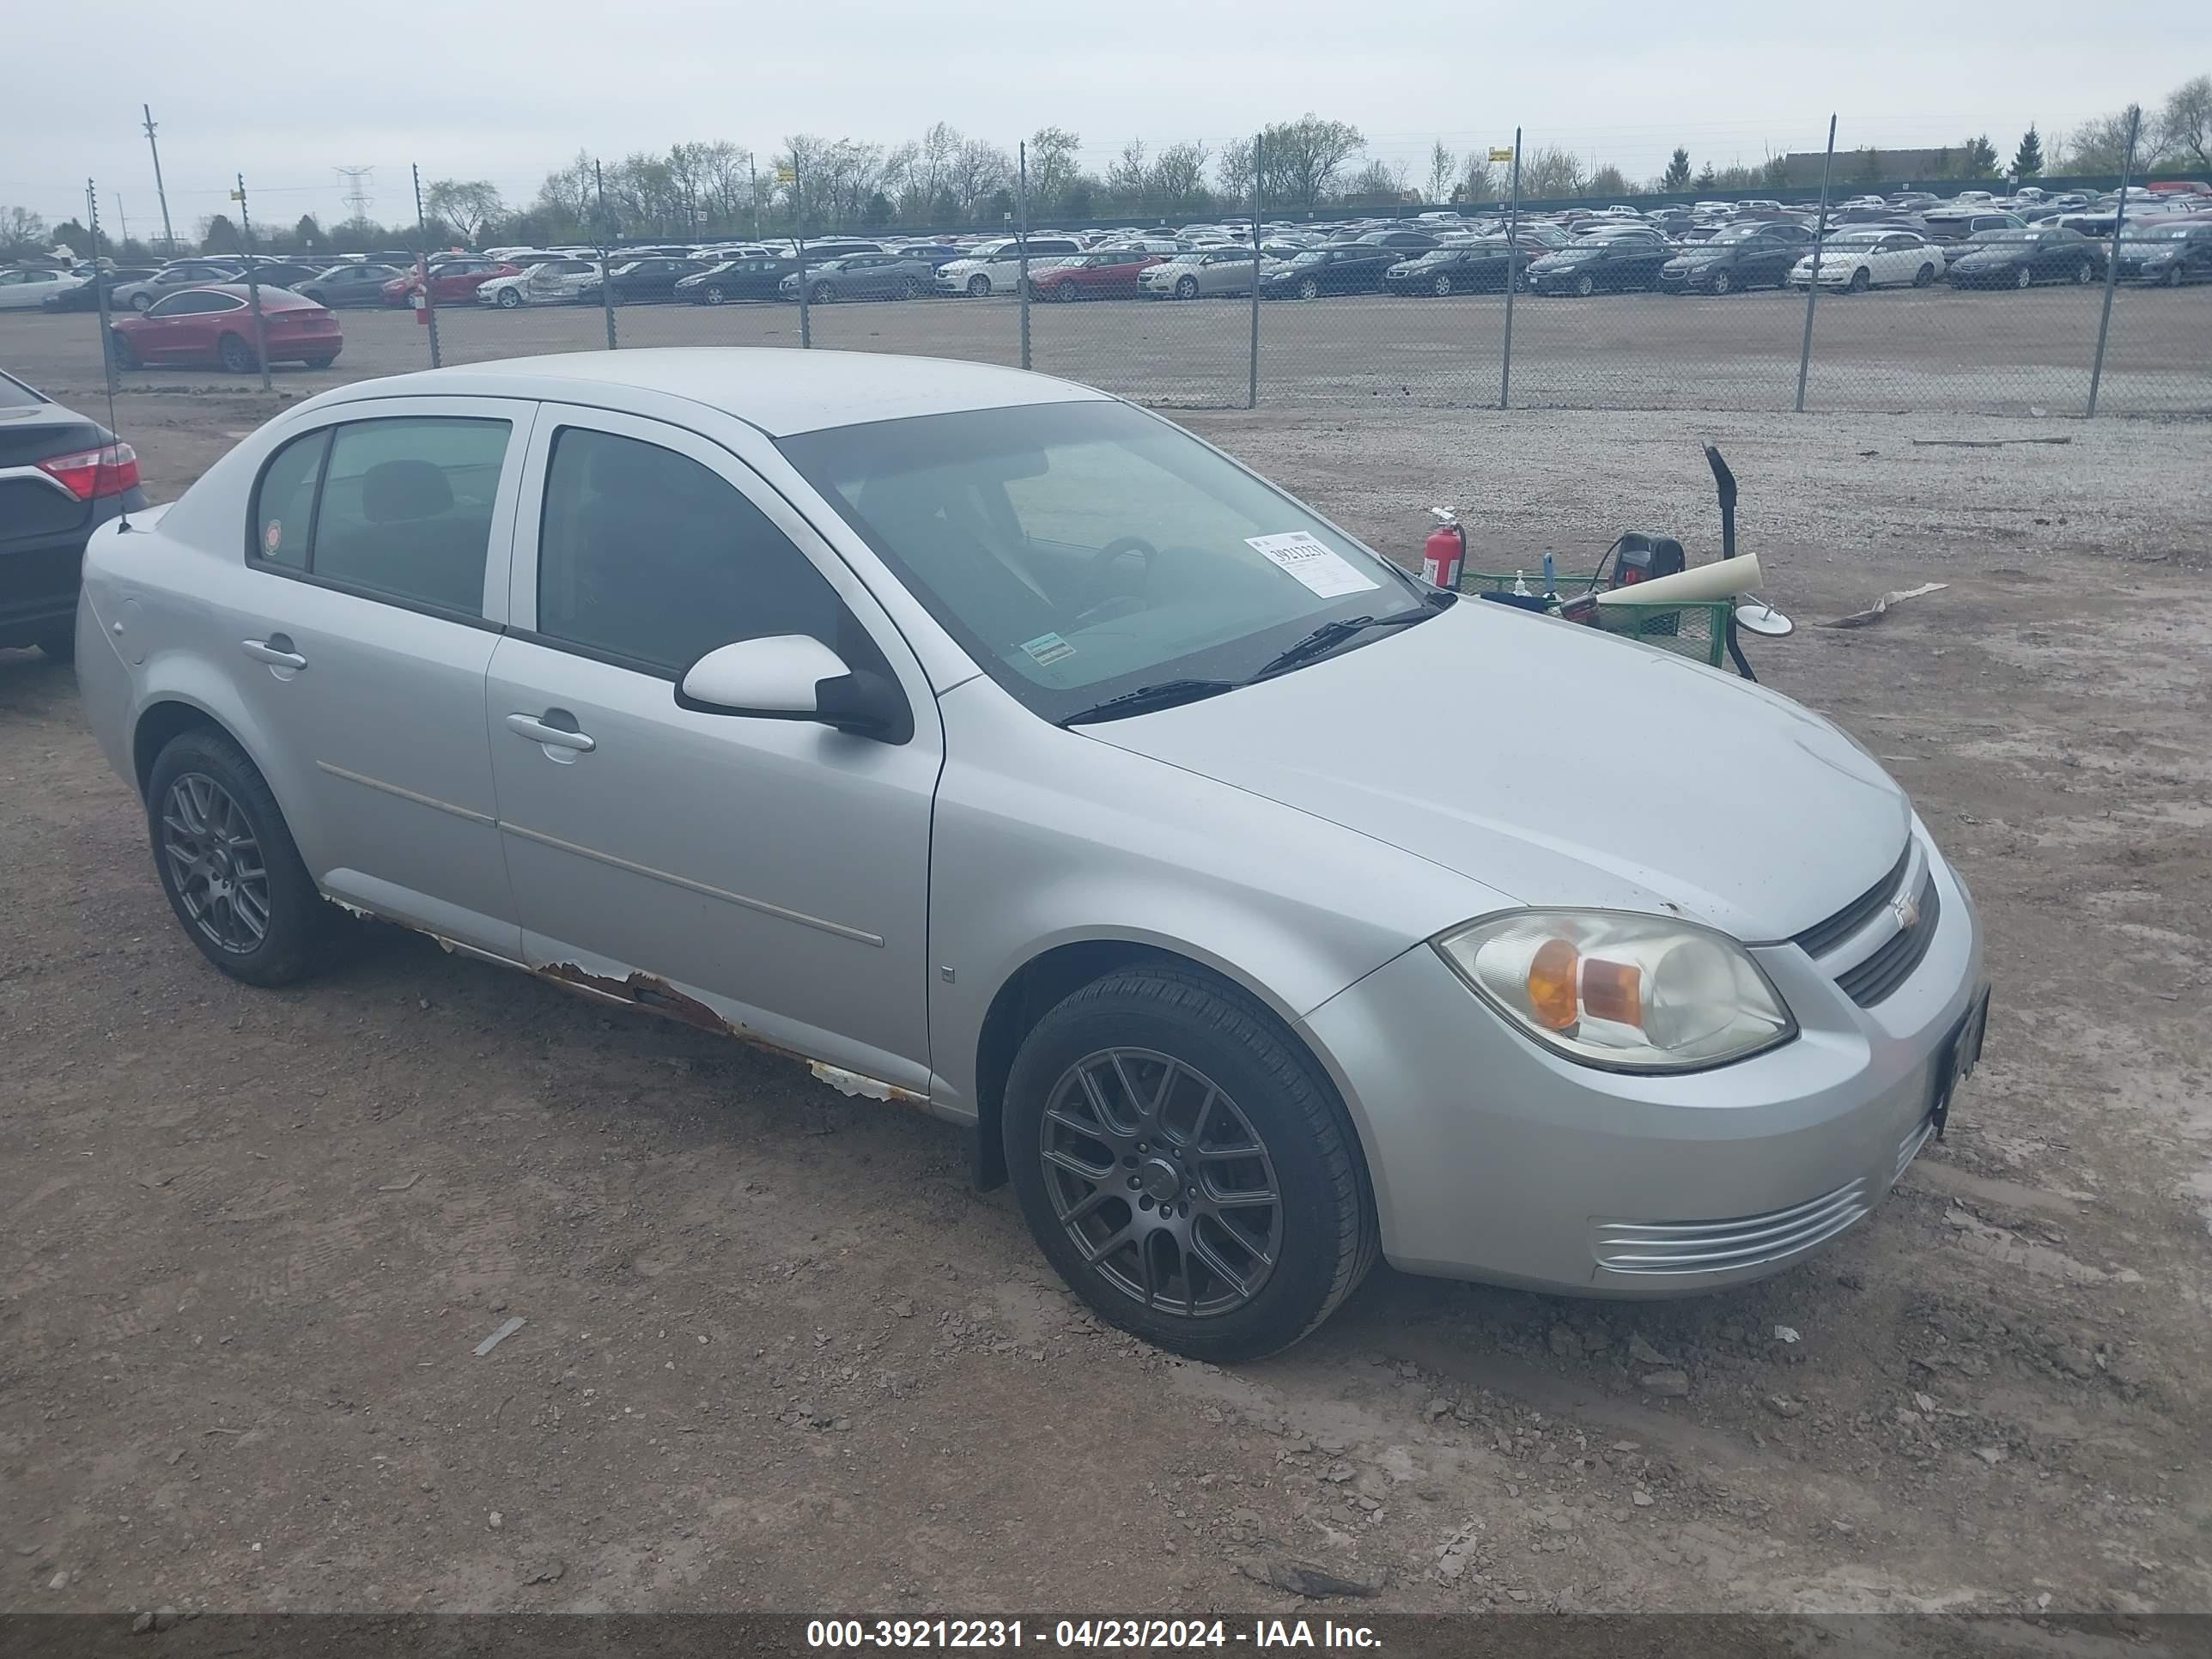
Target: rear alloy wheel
1442	286
2085	275
1585	285
1861	280
1185	1165
510	298
1924	277
2025	279
979	286
1187	289
228	864
234	355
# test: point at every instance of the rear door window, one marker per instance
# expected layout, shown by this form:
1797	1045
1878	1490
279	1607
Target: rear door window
405	506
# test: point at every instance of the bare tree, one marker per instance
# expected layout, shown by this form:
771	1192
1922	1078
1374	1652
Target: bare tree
466	204
566	197
1443	168
1177	178
1053	163
978	170
1128	179
1549	174
1480	182
1303	158
23	232
1234	174
2102	145
2184	125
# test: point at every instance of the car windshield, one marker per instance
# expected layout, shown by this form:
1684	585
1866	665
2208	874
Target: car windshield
1858	238
2157	234
1081	550
1312	256
14	394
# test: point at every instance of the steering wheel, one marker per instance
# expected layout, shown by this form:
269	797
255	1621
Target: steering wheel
1104	560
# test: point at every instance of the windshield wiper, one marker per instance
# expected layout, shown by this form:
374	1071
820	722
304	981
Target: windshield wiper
1330	634
1166	695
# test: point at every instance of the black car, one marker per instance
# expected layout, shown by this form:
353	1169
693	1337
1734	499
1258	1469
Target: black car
642	279
1406	242
85	297
1461	268
2021	258
1736	257
2169	254
60	476
1594	263
1338	268
754	277
349	284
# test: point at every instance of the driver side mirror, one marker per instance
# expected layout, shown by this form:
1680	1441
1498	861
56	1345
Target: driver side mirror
792	677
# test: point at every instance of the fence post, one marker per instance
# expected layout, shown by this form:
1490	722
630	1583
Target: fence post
430	299
1512	276
1813	287
1022	241
2112	258
798	241
607	258
252	285
1252	379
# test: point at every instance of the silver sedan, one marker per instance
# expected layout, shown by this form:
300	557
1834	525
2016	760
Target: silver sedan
994	746
1202	271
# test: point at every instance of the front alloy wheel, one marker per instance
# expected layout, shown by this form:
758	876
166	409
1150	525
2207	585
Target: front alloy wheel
1720	282
2025	279
510	299
1185	1165
1585	285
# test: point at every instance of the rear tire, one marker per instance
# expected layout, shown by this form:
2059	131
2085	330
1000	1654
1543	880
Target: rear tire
234	355
270	928
1200	1072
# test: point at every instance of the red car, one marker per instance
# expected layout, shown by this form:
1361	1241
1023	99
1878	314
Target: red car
452	281
1110	273
216	325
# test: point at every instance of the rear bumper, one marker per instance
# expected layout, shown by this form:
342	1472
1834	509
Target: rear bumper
1494	1159
39	577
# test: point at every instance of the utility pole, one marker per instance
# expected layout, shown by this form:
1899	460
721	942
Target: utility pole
252	282
168	237
122	219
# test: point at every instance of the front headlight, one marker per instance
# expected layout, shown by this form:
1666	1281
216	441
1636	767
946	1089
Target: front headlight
1626	992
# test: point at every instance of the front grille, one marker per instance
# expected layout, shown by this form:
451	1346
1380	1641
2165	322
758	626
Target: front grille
1892	964
1683	1248
1823	937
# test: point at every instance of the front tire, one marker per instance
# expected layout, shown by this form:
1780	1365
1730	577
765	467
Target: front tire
1720	282
823	293
1186	1166
1585	286
126	355
978	287
2173	277
1924	277
510	298
2085	275
2024	280
1861	280
1187	289
228	865
1442	287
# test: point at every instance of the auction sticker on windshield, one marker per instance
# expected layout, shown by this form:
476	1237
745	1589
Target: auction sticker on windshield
1312	562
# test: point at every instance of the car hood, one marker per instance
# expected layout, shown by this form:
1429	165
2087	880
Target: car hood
1984	256
1569	768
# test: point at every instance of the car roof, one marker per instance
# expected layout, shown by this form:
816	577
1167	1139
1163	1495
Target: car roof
780	391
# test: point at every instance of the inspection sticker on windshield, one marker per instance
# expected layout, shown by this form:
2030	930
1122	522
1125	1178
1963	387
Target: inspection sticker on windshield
1047	649
1312	562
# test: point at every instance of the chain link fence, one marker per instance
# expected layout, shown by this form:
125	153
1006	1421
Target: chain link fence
1503	304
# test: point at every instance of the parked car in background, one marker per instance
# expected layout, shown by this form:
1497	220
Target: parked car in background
176	275
1461	268
554	282
1205	271
279	273
994	267
85	295
1856	260
755	276
1404	243
1106	274
1948	226
1338	268
933	254
859	277
216	325
1596	264
638	282
349	284
27	286
2021	258
62	475
1755	255
2168	254
451	281
1658	1026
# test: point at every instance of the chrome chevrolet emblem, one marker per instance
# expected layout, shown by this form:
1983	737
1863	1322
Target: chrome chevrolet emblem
1906	912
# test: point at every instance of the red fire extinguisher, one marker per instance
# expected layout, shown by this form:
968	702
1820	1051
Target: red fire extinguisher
1444	554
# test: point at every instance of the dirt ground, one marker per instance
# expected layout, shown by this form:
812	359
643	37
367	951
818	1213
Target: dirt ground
777	1354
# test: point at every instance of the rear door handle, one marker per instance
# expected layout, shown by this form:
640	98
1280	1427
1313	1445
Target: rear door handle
537	731
276	651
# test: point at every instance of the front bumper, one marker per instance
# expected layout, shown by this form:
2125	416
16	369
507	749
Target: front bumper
1492	1158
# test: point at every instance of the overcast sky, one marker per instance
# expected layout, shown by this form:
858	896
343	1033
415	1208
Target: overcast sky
286	94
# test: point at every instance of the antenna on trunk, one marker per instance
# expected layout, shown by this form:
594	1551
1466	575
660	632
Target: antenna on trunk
106	345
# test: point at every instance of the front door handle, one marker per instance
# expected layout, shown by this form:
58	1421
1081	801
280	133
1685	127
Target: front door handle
538	730
276	651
